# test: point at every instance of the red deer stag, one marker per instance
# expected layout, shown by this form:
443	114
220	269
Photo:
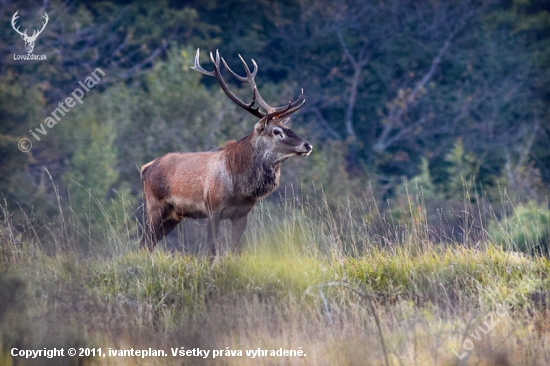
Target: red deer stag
225	183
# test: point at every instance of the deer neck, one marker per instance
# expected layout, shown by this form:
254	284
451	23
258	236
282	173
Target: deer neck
253	168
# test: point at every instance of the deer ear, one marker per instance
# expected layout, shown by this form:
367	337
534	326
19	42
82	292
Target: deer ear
260	126
285	121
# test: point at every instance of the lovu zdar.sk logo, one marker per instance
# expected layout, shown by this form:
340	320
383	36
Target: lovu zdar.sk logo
29	40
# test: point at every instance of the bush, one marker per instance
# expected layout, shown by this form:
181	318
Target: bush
525	230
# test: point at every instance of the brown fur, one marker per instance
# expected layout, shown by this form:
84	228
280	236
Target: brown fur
238	154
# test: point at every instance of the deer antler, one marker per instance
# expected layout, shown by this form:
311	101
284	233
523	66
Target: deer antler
13	19
217	74
249	78
272	112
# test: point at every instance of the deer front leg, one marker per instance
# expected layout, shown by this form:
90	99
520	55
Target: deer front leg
238	226
212	225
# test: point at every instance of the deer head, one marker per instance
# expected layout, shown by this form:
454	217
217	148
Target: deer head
29	41
272	132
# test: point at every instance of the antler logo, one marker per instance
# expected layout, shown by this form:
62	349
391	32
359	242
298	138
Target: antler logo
29	41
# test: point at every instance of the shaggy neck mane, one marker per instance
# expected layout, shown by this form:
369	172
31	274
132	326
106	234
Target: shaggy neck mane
239	154
252	174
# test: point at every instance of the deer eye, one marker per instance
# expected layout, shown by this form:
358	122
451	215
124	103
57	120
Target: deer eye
277	132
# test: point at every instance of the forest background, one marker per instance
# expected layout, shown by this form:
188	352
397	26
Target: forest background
452	95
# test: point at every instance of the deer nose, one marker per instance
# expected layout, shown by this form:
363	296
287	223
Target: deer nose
307	146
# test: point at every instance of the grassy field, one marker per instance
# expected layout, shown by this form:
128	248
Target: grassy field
313	280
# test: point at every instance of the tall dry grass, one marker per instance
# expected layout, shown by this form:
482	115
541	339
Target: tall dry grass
347	282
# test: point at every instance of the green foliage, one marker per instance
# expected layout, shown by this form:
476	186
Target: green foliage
462	169
93	165
458	177
526	230
408	206
325	171
96	194
421	187
170	111
20	105
424	181
173	111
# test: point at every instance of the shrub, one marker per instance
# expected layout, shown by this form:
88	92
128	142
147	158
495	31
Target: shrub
525	230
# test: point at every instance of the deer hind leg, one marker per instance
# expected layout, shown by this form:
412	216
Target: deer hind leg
153	232
150	232
237	231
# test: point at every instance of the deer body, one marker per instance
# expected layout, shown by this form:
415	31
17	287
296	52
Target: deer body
223	184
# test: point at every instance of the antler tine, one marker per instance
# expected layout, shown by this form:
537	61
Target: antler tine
217	74
13	19
250	79
291	110
291	107
216	62
249	75
294	103
279	112
198	67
